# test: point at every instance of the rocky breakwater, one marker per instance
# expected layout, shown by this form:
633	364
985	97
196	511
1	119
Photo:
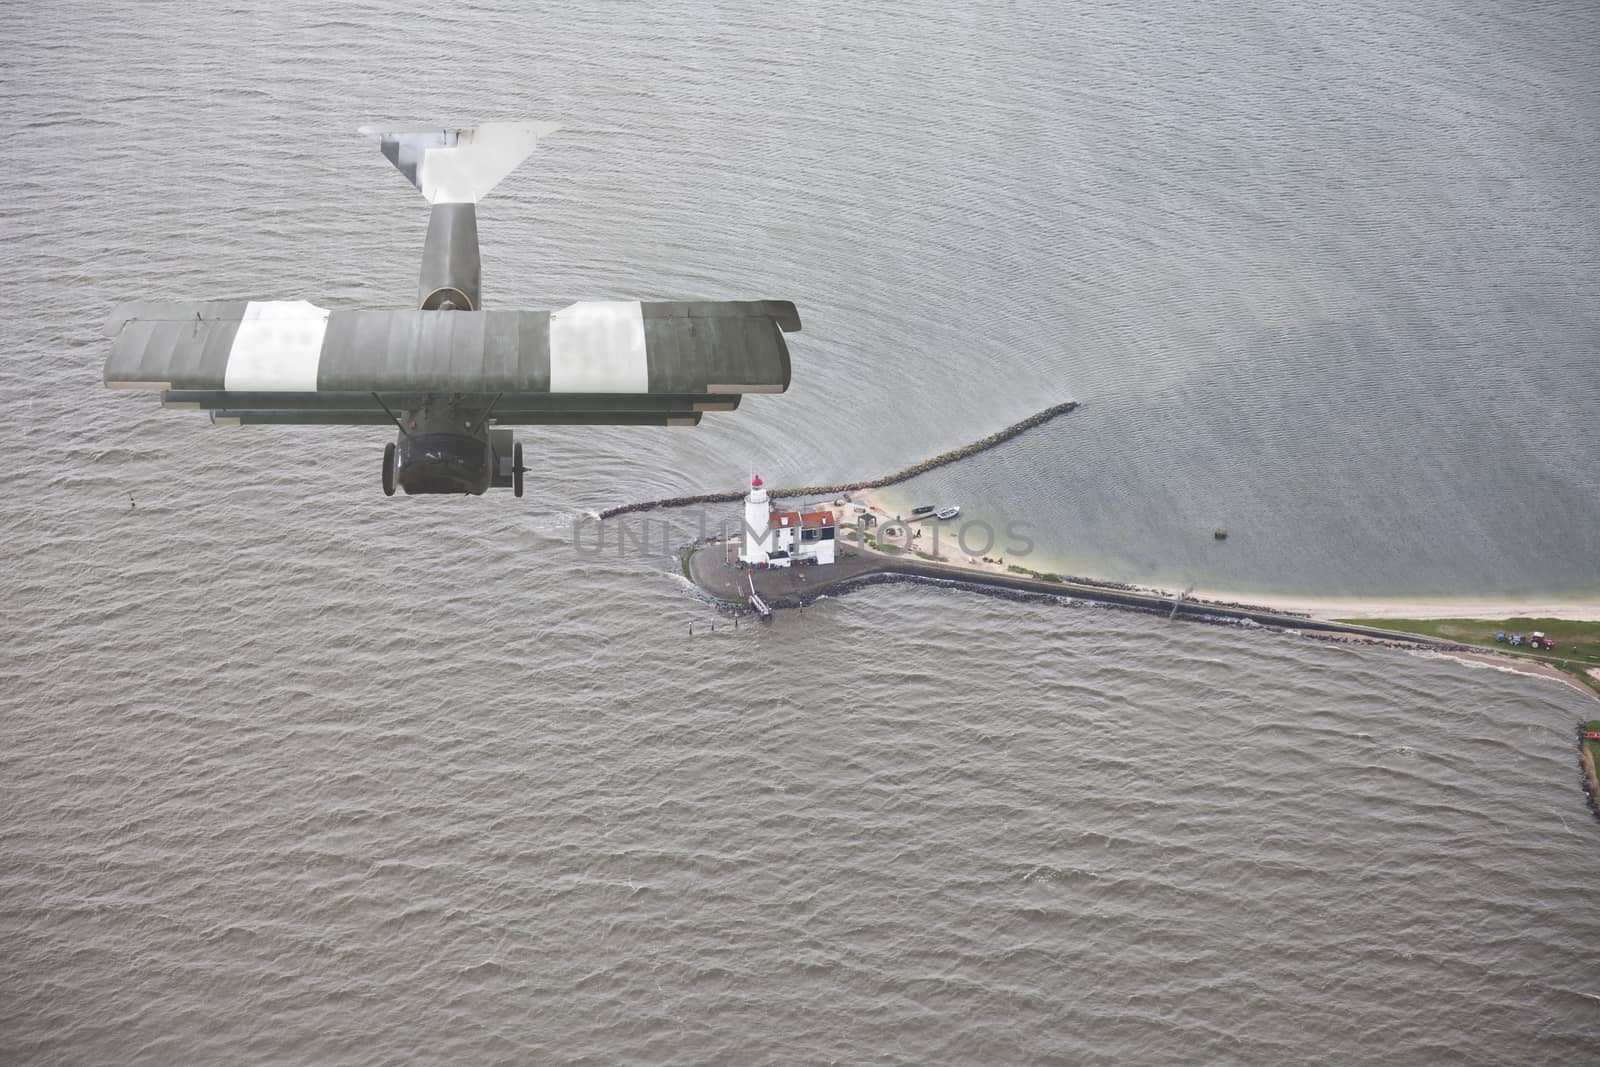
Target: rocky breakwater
941	460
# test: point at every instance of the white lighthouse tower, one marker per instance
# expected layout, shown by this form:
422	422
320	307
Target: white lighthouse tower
757	519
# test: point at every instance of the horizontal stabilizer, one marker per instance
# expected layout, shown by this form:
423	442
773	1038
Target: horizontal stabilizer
459	166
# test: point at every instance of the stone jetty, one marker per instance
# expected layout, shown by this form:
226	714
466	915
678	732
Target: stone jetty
941	460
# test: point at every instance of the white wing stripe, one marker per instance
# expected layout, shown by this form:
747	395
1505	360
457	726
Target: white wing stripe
278	347
597	346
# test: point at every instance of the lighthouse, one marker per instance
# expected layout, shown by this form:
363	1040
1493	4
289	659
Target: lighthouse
757	517
780	539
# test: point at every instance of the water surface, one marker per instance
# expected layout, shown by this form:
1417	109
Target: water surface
295	773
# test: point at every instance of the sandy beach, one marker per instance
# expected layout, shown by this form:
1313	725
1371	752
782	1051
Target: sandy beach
1424	608
928	535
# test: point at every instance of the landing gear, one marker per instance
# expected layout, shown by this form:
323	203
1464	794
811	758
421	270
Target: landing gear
388	470
516	469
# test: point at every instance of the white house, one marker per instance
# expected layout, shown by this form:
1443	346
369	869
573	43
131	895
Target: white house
780	538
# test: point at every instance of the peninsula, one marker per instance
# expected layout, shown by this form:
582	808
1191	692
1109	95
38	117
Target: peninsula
853	539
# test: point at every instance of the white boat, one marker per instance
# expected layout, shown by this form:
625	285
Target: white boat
947	513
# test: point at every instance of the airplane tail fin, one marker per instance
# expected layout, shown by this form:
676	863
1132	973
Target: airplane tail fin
459	166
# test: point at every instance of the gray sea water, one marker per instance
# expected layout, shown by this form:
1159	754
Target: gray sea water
293	773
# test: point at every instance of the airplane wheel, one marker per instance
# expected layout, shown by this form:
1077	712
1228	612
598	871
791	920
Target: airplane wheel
516	469
388	469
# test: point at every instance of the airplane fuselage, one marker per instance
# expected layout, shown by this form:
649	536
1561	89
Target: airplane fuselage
444	447
444	463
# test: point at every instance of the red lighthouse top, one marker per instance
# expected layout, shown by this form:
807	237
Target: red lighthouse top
755	483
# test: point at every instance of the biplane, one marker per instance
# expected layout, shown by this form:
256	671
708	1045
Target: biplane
451	377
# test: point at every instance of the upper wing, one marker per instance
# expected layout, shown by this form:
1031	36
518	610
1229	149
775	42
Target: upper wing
670	356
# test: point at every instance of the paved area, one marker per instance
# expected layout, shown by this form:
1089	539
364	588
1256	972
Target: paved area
715	568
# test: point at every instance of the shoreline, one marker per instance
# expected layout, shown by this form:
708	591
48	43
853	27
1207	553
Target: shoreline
1311	628
713	568
1514	664
710	568
1591	783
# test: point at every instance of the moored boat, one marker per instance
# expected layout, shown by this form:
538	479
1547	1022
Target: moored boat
922	509
947	513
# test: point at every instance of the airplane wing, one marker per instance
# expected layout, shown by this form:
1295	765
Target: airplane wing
594	361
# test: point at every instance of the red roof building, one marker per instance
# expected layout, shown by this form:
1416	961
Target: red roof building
806	520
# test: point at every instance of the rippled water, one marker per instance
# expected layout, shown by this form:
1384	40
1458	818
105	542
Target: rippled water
294	773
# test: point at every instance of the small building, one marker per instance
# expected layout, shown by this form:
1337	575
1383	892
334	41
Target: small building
783	538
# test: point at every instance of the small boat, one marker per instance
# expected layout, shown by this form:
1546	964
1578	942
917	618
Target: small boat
922	509
947	513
